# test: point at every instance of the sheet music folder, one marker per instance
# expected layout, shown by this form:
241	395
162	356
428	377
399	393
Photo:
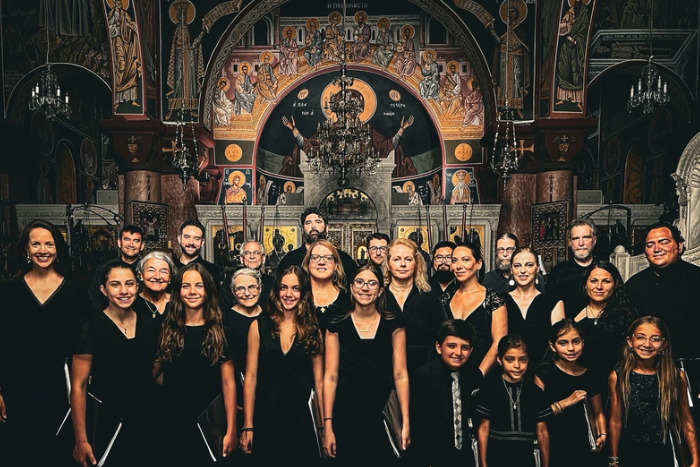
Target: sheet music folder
393	422
212	426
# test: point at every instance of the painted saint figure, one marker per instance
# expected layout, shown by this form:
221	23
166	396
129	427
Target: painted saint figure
360	49
513	65
314	43
235	193
385	44
451	91
430	85
334	44
572	54
245	91
405	63
461	193
267	81
223	107
186	65
473	105
289	53
125	54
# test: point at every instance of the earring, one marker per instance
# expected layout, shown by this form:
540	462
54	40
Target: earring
29	260
630	349
661	353
511	282
335	277
537	281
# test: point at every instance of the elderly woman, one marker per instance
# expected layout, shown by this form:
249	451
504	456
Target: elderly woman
40	312
483	308
408	294
155	271
327	278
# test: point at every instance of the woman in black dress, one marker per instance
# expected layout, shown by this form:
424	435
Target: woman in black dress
284	365
531	313
196	364
155	271
115	352
327	277
483	308
39	316
408	295
365	360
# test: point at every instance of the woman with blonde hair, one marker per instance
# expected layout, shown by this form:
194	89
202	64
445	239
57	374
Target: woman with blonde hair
408	294
327	279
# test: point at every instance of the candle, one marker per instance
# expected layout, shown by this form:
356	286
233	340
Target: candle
631	91
66	98
170	245
665	87
640	85
58	91
659	84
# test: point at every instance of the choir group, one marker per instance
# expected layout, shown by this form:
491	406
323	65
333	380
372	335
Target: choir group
405	360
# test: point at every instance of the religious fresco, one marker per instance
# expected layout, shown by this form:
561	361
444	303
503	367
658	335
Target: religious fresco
427	189
348	203
570	66
236	187
127	60
272	190
461	186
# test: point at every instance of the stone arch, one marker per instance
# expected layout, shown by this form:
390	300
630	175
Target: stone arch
687	178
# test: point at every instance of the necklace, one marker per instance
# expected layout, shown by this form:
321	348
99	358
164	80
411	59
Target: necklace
124	325
595	319
154	309
371	325
510	395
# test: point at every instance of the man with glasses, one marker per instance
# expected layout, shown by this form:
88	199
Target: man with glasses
252	256
500	278
314	223
376	245
443	281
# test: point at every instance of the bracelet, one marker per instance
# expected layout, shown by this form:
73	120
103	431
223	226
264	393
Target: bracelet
246	429
559	406
613	461
602	434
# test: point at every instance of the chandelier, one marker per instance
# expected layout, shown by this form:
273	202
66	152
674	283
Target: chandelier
504	158
344	146
183	160
654	91
46	95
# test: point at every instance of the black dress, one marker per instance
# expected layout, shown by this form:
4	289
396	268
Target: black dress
602	349
328	313
481	319
568	432
120	377
35	341
534	327
148	310
365	379
284	428
190	384
513	410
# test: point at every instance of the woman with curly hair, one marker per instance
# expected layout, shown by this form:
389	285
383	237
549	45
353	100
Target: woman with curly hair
408	294
327	278
196	365
283	365
484	308
605	318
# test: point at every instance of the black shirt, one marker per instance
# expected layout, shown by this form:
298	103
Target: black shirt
565	281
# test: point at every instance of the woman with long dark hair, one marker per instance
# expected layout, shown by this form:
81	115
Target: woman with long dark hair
196	365
365	360
39	316
283	365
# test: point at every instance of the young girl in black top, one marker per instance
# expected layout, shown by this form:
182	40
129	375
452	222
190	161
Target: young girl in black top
649	413
513	410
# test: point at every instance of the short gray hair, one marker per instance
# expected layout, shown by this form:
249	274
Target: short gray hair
580	221
156	254
247	272
262	247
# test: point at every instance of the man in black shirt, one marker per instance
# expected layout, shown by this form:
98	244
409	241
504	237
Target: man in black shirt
314	225
130	243
443	281
566	277
376	246
191	240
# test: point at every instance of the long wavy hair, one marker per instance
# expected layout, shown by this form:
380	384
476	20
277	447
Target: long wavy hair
667	375
62	262
172	336
308	330
338	277
420	272
619	311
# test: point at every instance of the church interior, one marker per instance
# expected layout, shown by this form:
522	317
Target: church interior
466	119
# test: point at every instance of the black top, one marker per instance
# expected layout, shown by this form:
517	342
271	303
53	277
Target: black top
326	314
365	379
296	257
500	283
481	319
568	431
149	311
565	281
602	348
120	375
211	268
239	325
534	327
422	315
432	426
670	294
643	421
284	428
443	295
35	341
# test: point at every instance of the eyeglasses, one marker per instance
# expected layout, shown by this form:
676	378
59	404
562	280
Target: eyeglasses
360	284
374	249
317	258
251	253
252	289
654	340
443	258
510	249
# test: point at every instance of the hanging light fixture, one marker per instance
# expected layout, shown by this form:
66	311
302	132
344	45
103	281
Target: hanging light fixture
504	159
46	94
654	91
345	146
